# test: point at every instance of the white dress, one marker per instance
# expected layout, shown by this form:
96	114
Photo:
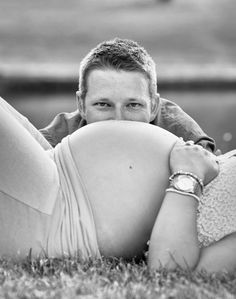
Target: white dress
217	208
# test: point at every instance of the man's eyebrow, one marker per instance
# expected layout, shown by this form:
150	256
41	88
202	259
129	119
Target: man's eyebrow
136	99
101	99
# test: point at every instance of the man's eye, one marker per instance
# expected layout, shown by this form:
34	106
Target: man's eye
102	104
135	105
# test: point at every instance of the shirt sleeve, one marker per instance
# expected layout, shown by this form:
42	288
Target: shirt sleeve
172	118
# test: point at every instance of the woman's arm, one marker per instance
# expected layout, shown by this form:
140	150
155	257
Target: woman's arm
174	236
27	173
26	124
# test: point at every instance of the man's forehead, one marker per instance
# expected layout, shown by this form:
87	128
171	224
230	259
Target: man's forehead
110	75
123	88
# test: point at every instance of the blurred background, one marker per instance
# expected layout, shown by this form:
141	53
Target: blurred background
192	41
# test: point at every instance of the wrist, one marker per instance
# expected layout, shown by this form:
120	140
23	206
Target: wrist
186	183
183	194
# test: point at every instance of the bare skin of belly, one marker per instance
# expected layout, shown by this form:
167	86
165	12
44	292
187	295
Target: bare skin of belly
125	176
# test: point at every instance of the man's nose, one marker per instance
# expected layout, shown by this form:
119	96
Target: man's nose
119	114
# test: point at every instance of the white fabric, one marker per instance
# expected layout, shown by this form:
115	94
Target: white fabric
72	228
217	207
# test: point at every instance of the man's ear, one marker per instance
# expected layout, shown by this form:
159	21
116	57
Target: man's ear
154	106
80	104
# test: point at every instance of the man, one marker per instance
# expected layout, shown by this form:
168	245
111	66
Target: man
118	81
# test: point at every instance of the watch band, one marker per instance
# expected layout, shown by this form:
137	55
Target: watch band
180	172
195	188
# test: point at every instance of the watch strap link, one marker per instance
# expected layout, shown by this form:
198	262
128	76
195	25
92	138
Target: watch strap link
186	173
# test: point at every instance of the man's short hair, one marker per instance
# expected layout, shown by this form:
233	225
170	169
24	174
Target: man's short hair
118	54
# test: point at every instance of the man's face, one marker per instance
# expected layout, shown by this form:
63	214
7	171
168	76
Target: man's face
117	95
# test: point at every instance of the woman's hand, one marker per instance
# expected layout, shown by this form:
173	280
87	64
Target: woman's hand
187	156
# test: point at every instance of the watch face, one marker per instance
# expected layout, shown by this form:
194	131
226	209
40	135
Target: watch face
185	183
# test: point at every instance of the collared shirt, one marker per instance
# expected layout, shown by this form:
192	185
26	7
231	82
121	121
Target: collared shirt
169	117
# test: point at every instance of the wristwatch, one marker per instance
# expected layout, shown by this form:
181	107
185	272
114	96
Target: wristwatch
186	183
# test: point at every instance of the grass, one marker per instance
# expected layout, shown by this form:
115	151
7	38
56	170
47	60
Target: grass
110	278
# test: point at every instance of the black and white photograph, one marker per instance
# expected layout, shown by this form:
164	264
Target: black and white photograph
117	149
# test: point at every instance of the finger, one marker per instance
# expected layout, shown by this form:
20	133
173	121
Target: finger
179	143
218	152
189	142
